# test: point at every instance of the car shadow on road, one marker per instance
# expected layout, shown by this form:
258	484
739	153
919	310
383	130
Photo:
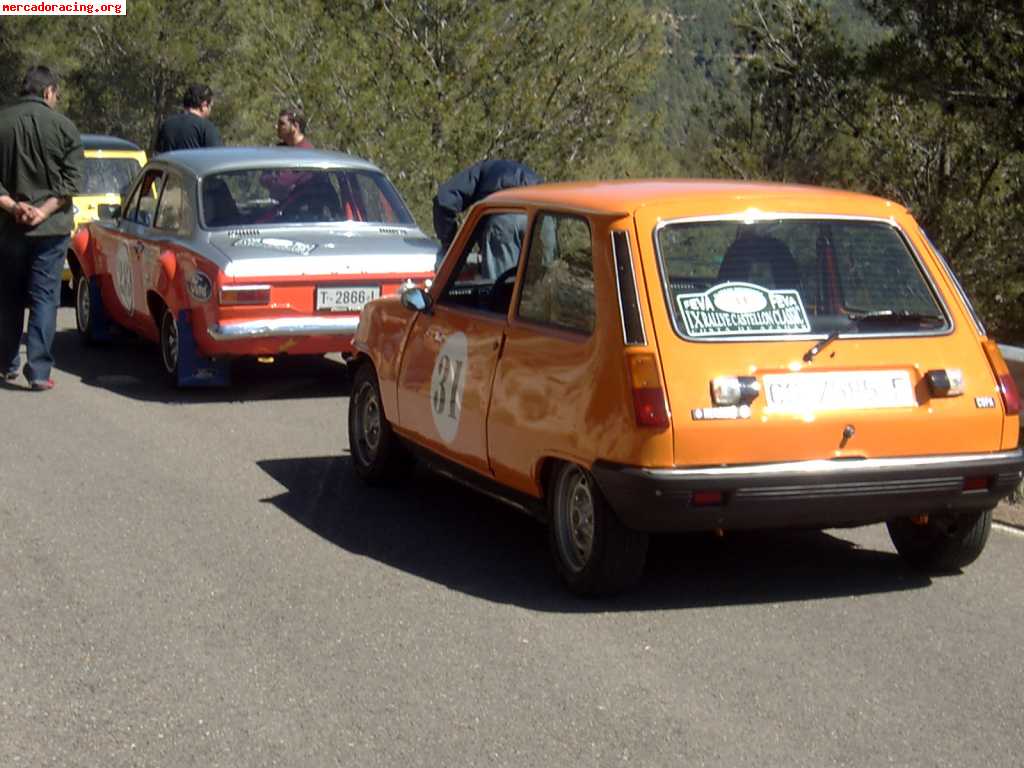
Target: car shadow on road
437	530
129	366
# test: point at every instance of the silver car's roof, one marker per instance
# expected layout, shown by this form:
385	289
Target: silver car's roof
203	162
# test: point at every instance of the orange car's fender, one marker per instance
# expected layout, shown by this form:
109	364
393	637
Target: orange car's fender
384	326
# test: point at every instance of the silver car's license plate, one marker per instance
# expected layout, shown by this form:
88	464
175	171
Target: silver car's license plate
345	298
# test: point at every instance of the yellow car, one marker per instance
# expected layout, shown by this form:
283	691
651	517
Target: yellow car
110	166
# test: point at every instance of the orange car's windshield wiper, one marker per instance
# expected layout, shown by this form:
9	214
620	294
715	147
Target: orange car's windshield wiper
811	353
879	317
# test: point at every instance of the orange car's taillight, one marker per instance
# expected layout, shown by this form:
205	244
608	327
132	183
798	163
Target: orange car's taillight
649	403
1007	386
232	295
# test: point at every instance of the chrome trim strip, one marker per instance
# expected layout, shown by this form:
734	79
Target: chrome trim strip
284	326
245	287
628	256
832	466
752	215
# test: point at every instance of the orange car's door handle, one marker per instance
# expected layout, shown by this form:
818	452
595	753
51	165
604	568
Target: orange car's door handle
436	335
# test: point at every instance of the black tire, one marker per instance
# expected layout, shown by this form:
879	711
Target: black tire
946	543
594	552
378	456
170	346
85	315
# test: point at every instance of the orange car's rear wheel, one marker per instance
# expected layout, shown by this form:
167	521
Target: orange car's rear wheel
941	543
377	455
594	552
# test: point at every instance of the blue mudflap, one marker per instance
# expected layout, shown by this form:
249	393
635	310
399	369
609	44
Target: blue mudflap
99	324
194	370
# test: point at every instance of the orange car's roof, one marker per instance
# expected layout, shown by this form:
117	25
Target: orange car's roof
694	197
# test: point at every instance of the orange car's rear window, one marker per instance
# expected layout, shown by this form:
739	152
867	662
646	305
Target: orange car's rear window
795	277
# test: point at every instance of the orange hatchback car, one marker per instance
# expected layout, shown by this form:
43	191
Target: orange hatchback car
623	358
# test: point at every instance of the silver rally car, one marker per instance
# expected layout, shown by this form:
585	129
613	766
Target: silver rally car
245	251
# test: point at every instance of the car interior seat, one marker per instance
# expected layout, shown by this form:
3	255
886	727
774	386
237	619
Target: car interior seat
746	255
219	208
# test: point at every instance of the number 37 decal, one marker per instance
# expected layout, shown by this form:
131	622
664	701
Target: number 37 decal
447	383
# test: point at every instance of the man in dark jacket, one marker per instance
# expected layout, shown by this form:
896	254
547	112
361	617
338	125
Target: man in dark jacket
500	244
191	129
41	168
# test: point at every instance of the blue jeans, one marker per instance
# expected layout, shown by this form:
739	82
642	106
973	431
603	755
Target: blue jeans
30	272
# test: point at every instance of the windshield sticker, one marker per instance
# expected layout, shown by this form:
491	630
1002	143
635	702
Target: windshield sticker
742	309
277	243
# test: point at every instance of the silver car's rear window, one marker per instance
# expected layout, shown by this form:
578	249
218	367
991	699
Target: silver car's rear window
300	196
791	277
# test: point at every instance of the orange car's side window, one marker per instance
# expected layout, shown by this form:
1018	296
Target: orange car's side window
558	288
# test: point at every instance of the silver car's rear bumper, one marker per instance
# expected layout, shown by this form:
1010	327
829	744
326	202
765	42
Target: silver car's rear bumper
284	326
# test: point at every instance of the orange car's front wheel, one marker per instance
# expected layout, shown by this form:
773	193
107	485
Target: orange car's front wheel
377	455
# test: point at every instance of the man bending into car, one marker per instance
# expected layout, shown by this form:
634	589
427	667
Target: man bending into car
501	241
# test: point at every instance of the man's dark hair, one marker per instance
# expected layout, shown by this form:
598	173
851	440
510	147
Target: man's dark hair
37	80
296	115
195	95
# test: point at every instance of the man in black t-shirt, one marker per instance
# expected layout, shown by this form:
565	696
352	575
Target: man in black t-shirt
192	128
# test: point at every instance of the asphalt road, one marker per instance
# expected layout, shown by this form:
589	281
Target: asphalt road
195	579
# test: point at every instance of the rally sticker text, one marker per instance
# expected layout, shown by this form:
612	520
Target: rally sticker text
742	309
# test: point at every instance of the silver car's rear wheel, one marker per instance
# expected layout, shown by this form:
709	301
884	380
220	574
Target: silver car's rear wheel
83	308
170	347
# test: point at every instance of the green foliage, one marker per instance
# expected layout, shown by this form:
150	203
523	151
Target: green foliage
915	100
903	115
799	95
124	74
426	88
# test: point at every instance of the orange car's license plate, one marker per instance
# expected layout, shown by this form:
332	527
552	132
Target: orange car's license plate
803	392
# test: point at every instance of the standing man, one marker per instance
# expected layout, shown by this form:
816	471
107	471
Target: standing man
192	128
291	132
501	243
291	129
41	168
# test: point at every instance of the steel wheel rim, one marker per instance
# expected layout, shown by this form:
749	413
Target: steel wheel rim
83	304
368	424
575	520
169	345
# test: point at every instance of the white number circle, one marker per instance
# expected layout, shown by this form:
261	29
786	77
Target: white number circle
124	282
447	383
